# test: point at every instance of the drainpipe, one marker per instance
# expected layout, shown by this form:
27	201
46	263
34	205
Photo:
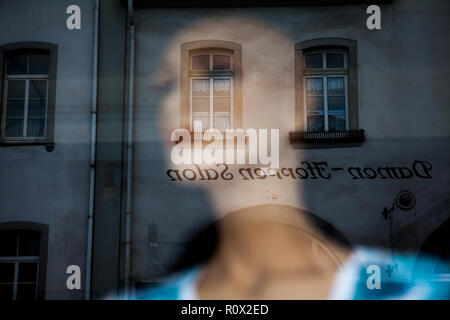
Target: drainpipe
129	208
87	294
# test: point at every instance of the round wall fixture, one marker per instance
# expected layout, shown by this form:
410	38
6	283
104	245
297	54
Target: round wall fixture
405	200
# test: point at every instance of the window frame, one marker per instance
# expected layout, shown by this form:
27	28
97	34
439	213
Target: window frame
27	78
324	60
48	138
324	77
330	45
43	251
353	135
18	260
211	47
210	75
211	53
211	79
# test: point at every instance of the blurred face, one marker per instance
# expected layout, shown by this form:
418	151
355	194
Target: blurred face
262	174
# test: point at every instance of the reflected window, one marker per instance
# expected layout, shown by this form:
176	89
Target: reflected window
211	90
326	88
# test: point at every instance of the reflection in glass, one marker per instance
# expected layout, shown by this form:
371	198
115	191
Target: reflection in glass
335	60
37	108
222	123
221	87
16	64
314	86
38	89
314	104
200	87
335	86
35	127
314	61
336	104
16	89
336	122
221	62
15	108
14	127
200	104
222	104
315	123
200	63
204	120
38	63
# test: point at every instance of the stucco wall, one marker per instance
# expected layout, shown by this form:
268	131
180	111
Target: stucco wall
53	187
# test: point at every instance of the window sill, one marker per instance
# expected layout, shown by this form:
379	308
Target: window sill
49	145
324	139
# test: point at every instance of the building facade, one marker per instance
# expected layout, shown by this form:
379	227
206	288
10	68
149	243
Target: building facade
361	114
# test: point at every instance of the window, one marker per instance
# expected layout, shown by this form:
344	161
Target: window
25	94
28	92
211	90
211	85
20	264
326	94
326	91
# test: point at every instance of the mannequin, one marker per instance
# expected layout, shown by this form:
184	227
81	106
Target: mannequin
265	252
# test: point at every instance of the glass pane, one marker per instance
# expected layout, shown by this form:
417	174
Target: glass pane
314	86
315	123
221	62
16	64
35	127
16	89
336	122
6	272
29	241
314	104
222	123
14	127
314	61
26	291
200	104
200	62
38	63
8	243
200	87
336	104
204	120
222	105
36	108
28	271
15	108
335	86
6	292
222	87
38	89
335	60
